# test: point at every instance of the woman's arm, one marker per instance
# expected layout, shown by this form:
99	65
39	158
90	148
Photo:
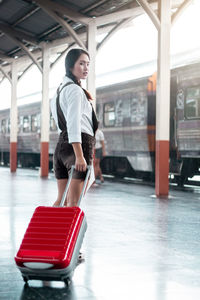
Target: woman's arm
80	163
103	148
71	105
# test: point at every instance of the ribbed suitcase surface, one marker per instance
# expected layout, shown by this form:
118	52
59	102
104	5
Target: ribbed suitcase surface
51	236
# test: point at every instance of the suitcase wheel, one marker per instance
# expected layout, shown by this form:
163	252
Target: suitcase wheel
25	279
67	281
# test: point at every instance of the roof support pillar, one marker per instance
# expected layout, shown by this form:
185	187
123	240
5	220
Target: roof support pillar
91	82
163	100
44	145
13	119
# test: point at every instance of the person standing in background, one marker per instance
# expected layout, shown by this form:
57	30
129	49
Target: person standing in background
100	152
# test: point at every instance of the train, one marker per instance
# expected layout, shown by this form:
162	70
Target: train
127	115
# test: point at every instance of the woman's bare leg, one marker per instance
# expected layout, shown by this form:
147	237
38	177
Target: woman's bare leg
96	167
61	184
98	171
74	192
75	189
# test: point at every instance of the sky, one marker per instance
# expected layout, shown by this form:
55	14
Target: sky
129	46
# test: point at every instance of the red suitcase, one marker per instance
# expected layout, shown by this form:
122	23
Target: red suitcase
51	244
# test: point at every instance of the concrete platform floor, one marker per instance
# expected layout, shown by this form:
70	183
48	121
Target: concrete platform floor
137	247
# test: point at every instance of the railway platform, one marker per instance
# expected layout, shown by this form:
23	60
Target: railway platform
137	247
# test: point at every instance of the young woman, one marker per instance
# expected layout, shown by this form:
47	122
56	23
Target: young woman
75	117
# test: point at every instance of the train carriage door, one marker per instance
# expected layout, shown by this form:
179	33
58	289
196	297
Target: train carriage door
173	125
151	88
151	117
175	165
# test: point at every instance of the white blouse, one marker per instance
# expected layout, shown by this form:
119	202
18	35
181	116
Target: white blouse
99	136
77	111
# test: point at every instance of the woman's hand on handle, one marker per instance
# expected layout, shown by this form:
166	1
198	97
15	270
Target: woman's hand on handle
80	163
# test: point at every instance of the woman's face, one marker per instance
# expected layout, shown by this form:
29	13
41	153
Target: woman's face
81	67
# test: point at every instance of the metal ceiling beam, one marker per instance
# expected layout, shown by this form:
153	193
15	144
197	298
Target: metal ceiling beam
130	12
150	12
92	6
5	57
54	46
180	10
25	71
30	55
82	36
45	34
26	16
60	56
22	46
63	23
1	80
65	11
123	14
120	25
8	30
5	74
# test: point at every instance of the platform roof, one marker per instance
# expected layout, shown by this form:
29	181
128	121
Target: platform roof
26	25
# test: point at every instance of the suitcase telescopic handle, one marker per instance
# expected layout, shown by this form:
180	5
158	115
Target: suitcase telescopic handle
68	184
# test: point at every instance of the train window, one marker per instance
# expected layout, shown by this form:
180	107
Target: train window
98	111
26	127
138	108
109	114
34	123
53	126
3	126
21	121
119	113
192	103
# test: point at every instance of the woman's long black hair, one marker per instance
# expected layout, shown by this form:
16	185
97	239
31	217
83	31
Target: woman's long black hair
70	60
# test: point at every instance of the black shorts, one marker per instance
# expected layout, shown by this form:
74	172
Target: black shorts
64	156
